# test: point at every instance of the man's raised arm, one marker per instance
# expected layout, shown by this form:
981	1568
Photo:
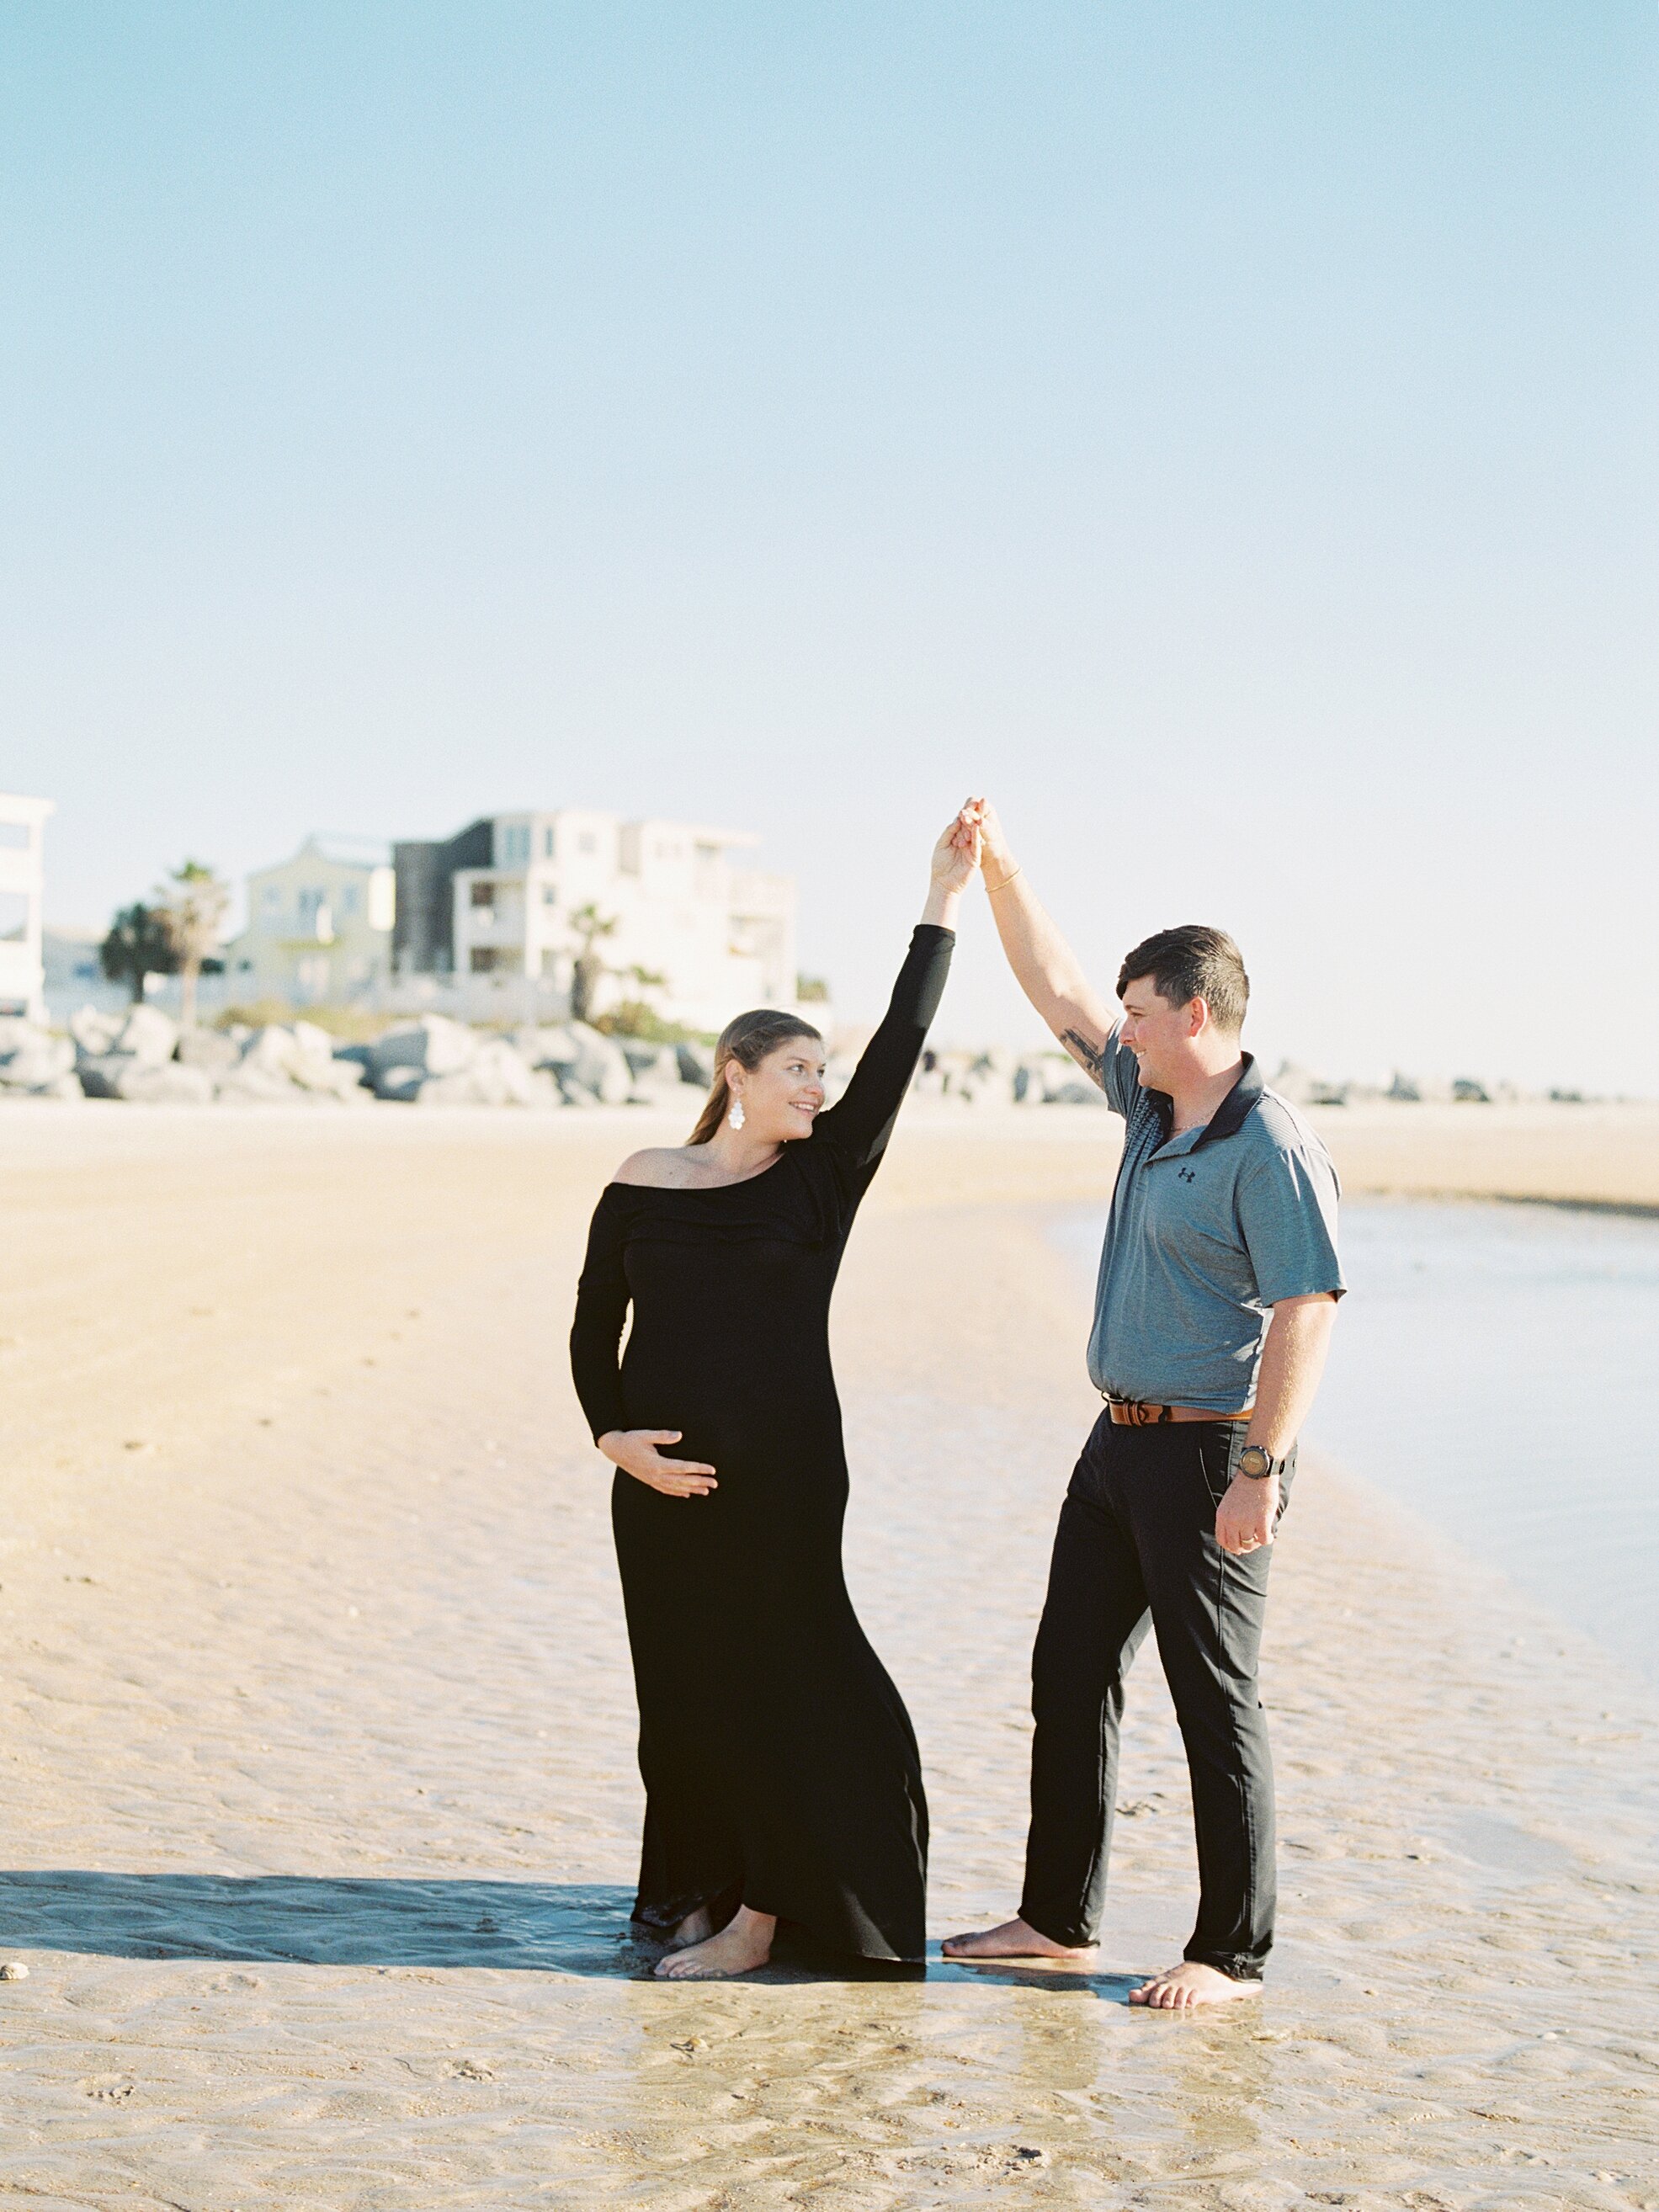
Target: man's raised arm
1043	962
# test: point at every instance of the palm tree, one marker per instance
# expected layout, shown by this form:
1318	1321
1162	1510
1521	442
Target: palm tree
193	904
139	944
590	925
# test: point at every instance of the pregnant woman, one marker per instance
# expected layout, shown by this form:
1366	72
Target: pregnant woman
781	1770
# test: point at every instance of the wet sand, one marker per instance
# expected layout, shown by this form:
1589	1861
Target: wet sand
316	1734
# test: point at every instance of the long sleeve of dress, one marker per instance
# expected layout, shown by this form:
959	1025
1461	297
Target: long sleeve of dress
602	1297
861	1120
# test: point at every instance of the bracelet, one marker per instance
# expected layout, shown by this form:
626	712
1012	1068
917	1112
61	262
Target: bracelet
991	890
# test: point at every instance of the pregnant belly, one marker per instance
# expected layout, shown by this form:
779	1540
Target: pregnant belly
737	1372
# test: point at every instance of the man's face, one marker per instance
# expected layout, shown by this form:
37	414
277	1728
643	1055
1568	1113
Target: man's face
1159	1034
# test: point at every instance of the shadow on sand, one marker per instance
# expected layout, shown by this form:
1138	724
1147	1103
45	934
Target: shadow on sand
560	1927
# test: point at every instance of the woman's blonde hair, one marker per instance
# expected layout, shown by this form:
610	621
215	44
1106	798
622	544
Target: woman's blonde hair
747	1038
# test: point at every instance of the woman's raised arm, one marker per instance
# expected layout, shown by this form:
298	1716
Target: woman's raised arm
861	1120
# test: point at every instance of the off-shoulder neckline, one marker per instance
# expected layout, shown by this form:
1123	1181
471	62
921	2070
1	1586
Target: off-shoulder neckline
708	1189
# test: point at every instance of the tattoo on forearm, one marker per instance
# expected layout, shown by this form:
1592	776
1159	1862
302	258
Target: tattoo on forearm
1091	1058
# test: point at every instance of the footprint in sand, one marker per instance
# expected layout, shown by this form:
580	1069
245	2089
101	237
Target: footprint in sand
106	2088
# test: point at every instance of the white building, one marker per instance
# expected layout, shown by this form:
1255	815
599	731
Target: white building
22	880
318	927
496	910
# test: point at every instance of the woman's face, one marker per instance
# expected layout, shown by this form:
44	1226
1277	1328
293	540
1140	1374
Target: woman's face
783	1097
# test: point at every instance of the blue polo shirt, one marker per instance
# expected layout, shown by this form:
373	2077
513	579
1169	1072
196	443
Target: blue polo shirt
1208	1230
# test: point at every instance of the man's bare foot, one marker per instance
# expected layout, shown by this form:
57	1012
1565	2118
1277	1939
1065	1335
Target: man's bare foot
1014	1939
742	1944
1180	1989
696	1928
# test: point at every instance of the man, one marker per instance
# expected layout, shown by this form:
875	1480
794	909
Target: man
1218	1288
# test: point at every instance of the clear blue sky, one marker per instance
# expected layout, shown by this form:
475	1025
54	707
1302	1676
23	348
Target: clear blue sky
1226	433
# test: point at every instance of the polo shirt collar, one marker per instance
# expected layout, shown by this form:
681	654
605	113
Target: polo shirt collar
1229	1117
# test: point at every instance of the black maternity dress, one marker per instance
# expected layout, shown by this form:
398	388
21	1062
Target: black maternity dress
780	1768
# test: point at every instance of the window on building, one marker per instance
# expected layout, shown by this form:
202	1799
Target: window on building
547	844
515	844
310	977
550	895
484	959
483	894
348	899
271	898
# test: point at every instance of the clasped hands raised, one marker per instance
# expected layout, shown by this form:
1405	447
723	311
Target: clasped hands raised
974	839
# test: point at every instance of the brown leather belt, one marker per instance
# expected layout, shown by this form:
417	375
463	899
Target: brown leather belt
1134	1414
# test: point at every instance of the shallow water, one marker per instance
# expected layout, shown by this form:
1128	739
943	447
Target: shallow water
1494	1370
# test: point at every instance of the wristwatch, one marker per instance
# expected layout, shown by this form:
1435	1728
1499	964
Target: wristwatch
1258	1462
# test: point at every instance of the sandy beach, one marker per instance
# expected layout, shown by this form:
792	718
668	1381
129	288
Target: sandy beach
316	1724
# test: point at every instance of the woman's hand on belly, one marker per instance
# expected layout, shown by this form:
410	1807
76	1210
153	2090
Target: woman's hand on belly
634	1451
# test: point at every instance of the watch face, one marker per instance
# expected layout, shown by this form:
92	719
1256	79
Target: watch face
1254	1461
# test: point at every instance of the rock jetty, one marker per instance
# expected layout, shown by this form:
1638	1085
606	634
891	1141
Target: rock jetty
141	1057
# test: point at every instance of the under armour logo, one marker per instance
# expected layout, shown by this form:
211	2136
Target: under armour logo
1187	1175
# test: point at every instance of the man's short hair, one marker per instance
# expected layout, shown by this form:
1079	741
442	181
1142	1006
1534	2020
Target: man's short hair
1193	963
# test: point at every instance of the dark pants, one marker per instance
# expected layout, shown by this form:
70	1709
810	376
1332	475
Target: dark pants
1136	1546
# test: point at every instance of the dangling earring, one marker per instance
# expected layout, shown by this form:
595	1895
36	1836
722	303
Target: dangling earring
736	1116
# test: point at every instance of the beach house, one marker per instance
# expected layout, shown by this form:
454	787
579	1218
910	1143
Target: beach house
22	881
318	928
496	916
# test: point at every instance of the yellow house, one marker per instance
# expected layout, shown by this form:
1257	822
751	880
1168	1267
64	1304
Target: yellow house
318	927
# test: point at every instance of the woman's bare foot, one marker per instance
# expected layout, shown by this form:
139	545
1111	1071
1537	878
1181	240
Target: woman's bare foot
696	1928
1014	1939
1179	1989
742	1944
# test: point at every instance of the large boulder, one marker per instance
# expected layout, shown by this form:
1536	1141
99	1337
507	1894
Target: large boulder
554	1045
495	1076
149	1035
94	1032
435	1044
100	1072
296	1065
255	1083
270	1048
600	1068
157	1082
400	1083
656	1072
33	1060
208	1048
317	1068
696	1063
